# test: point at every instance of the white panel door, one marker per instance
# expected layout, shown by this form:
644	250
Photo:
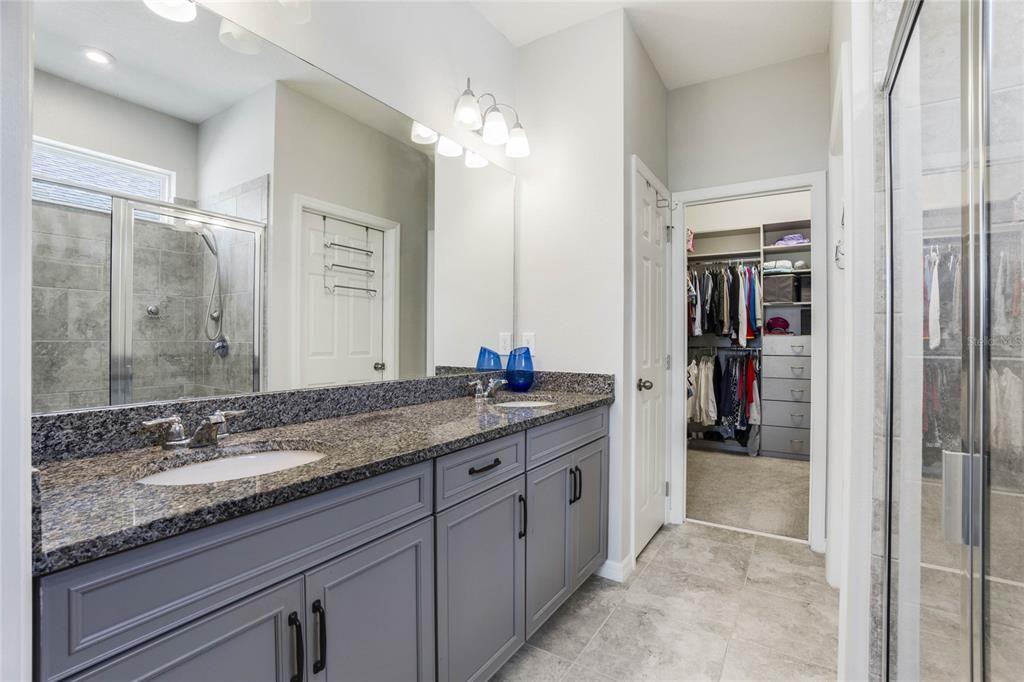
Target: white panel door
343	312
651	439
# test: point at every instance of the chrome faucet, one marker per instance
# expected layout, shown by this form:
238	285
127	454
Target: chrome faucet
171	432
481	393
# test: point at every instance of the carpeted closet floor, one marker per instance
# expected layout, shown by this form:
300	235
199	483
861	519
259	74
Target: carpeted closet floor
754	493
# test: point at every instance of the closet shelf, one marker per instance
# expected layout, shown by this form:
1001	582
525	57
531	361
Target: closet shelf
801	271
786	247
780	304
724	254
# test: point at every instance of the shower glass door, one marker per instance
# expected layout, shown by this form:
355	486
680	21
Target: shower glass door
185	309
955	545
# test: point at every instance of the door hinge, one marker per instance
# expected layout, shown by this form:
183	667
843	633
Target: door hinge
668	362
667	489
668	231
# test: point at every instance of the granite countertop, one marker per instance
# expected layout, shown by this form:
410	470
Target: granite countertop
92	507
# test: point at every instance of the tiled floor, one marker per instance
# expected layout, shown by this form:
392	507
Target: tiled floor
704	604
766	494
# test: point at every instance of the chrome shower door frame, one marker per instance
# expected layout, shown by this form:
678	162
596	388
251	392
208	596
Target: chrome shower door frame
123	212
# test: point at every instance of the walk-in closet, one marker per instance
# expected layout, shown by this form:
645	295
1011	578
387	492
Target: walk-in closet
749	282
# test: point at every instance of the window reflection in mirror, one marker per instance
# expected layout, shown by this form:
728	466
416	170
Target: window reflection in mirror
221	217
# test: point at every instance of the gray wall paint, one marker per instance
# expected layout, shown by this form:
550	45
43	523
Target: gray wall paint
73	114
321	153
646	101
759	124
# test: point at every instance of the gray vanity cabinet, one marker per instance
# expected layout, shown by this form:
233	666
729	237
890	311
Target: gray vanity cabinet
371	612
590	510
549	540
481	568
256	640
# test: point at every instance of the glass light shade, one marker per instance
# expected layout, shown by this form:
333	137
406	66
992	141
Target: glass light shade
234	37
474	160
297	12
467	112
495	128
421	134
446	146
181	11
517	146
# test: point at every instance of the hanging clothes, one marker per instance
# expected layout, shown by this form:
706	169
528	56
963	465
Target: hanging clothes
934	307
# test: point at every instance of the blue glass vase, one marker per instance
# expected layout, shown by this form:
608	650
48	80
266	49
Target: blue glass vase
488	360
519	372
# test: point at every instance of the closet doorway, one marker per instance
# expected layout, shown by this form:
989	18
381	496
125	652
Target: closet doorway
749	309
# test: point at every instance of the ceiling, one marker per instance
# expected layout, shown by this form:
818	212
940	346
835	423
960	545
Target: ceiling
182	69
688	41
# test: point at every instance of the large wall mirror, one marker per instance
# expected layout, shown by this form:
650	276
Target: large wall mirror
213	215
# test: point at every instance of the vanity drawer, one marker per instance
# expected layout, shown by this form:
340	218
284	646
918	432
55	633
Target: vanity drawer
546	442
793	390
465	473
781	344
779	413
786	367
112	604
787	440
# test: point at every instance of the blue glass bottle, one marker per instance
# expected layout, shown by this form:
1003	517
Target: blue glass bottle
488	360
519	372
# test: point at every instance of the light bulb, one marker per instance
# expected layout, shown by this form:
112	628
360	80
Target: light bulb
234	37
421	134
474	160
181	11
98	56
446	146
495	128
517	146
467	111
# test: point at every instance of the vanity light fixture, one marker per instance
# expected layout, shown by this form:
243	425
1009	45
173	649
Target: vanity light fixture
182	11
446	146
474	160
491	122
234	37
421	134
98	56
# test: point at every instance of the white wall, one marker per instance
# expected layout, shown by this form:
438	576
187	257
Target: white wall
646	102
237	144
73	114
571	256
413	56
321	153
474	242
765	123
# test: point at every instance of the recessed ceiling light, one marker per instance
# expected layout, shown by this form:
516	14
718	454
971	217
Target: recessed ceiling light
98	56
181	11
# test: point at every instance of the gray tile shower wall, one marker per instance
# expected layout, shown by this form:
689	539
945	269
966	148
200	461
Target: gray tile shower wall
83	433
70	307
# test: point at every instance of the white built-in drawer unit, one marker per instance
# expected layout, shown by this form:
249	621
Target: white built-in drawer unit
781	413
786	440
786	367
793	390
783	344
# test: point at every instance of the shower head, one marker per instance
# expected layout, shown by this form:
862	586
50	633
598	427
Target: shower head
211	241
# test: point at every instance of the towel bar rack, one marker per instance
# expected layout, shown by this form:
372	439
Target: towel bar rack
332	287
336	245
369	272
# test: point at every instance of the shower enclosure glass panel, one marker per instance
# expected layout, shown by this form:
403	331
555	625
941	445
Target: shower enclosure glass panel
956	341
188	296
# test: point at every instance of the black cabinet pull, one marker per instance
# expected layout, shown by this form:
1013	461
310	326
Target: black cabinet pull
579	483
300	646
572	486
321	613
522	501
473	471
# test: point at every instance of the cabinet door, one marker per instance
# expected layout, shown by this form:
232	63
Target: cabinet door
549	540
255	639
371	611
590	510
481	615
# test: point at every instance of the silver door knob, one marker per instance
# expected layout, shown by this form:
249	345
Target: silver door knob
643	385
379	366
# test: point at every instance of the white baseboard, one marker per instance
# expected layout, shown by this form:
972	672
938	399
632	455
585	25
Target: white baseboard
618	571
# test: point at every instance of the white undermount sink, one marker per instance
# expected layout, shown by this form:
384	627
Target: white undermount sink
230	468
526	403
